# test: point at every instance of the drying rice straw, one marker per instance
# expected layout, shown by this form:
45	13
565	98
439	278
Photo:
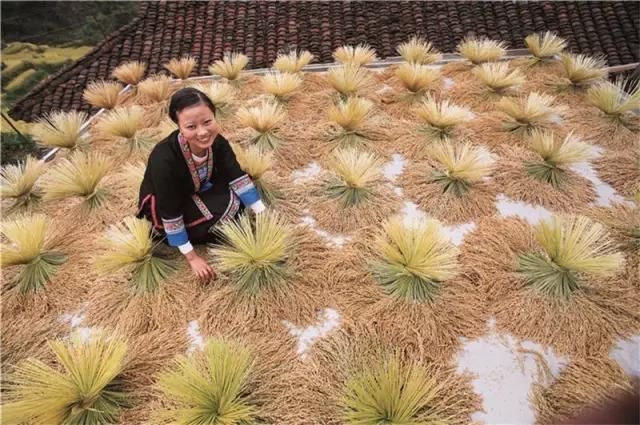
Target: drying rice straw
264	313
479	201
621	169
457	309
512	179
585	324
358	349
586	383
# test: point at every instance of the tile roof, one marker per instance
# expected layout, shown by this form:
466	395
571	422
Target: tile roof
164	30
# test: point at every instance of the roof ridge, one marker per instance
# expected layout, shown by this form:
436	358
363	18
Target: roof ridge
164	30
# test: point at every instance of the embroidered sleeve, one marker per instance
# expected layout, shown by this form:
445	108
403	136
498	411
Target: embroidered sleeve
176	232
245	189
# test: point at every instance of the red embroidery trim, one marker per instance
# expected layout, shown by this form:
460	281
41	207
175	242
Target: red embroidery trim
202	207
232	208
154	217
144	201
242	184
175	225
196	222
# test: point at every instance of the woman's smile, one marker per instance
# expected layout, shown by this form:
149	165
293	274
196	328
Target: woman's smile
198	126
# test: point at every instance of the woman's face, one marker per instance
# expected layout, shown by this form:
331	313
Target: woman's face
198	125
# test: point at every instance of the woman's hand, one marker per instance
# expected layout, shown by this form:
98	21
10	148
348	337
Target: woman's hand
201	269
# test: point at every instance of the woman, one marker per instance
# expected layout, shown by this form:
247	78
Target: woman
193	181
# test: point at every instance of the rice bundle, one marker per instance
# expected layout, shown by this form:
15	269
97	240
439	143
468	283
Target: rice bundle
18	182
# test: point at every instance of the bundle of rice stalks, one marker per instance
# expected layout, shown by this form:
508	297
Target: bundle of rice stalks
615	102
460	166
544	47
155	89
87	391
391	392
353	173
61	129
230	66
347	80
557	156
572	246
213	386
257	256
371	382
453	181
523	175
34	244
103	94
256	162
263	281
220	94
414	259
355	55
264	119
481	50
350	115
18	182
281	85
525	282
416	78
125	122
498	78
419	51
582	70
126	183
79	176
130	247
165	128
350	192
293	61
441	118
130	72
133	174
525	114
181	68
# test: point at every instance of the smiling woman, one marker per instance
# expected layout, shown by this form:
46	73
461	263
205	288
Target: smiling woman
193	181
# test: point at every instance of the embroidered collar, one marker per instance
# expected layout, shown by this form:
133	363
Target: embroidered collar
193	170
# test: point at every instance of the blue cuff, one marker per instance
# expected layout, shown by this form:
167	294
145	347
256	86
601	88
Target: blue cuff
245	189
177	239
250	197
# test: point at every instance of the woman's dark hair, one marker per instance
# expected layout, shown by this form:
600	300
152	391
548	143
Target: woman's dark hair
186	97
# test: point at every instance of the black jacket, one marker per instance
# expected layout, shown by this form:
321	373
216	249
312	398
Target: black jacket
168	178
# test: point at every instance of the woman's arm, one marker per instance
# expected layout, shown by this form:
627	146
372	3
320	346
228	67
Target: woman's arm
245	189
171	197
